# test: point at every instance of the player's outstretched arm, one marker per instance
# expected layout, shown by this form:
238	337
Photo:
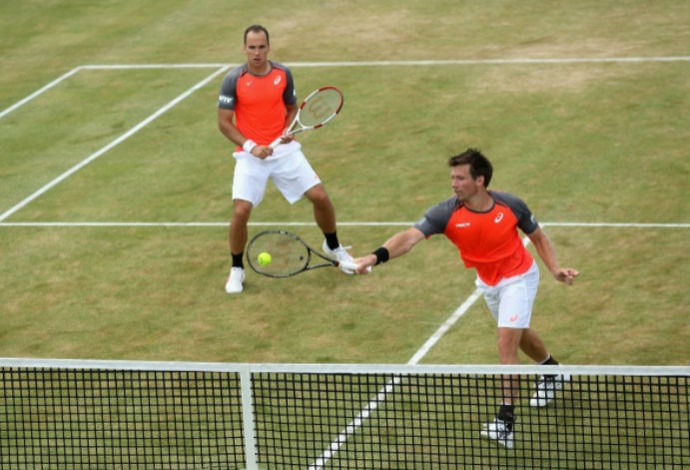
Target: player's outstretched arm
397	245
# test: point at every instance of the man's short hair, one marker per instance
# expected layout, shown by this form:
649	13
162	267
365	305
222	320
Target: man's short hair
256	28
479	164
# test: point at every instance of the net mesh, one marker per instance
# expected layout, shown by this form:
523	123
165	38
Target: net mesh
434	421
308	417
79	419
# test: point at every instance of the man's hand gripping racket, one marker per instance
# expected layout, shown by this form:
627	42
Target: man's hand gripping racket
317	109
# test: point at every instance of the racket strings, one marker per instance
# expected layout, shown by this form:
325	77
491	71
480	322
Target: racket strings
288	255
320	107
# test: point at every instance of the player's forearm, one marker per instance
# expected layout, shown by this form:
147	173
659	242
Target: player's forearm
546	252
402	243
397	245
227	127
232	133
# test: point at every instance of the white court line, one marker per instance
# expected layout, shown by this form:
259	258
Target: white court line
313	224
557	61
38	92
153	66
104	67
384	63
617	225
112	144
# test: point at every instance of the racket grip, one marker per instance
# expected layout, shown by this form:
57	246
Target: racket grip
348	265
351	266
276	142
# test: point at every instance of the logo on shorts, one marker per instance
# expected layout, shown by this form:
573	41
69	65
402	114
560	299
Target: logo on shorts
498	218
513	319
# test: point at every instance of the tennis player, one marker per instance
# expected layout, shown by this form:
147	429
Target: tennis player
257	103
484	226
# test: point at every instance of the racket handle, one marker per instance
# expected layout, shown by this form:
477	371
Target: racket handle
351	266
348	265
276	142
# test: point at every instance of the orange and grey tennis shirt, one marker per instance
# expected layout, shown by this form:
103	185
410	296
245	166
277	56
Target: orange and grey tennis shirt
488	241
259	102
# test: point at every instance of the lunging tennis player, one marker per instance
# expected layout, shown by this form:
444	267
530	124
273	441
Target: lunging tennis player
483	225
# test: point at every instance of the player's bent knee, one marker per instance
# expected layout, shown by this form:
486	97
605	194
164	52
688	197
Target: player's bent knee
242	210
318	195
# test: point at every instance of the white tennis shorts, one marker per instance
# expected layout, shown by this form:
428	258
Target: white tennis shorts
511	300
288	169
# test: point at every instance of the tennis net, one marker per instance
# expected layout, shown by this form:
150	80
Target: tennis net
58	414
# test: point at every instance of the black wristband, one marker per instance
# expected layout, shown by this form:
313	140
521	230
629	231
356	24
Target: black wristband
382	255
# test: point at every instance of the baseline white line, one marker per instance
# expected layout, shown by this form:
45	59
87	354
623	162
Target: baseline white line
312	224
152	66
38	92
615	225
384	63
574	60
195	224
111	145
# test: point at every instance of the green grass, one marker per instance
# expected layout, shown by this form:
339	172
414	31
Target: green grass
592	142
581	143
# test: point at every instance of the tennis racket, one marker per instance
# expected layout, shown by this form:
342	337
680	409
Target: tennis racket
288	255
317	109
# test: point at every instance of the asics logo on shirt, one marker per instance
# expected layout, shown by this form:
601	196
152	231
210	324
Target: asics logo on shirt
463	225
498	218
277	80
225	99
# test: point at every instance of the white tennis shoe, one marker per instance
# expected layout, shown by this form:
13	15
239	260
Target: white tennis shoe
500	431
235	280
340	254
546	388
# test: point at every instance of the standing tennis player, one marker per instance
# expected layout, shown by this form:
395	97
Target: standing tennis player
257	103
483	225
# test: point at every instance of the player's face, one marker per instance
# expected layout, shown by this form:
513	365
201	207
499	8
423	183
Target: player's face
256	48
464	185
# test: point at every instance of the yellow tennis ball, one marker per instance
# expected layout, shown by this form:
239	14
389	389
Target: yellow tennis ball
264	258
